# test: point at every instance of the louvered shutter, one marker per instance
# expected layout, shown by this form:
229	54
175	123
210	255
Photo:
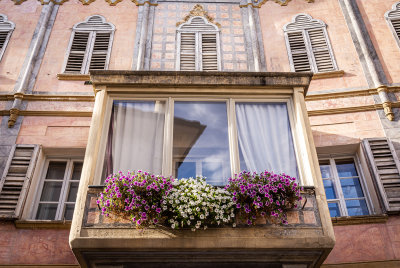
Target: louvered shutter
396	26
209	52
320	50
3	38
14	184
188	52
78	52
100	51
385	165
298	52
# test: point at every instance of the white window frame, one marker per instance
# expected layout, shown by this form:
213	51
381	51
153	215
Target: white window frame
295	27
167	163
85	27
198	44
61	203
390	16
5	26
338	188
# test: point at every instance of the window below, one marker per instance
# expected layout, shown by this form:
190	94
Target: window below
344	187
58	189
210	138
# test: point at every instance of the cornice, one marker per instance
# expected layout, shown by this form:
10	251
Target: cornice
259	3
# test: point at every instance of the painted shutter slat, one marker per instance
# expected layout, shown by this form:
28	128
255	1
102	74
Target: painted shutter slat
188	52
3	38
385	166
209	52
396	26
15	182
77	52
299	52
100	51
320	49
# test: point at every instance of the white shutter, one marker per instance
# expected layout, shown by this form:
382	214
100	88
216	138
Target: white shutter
209	52
100	51
188	52
14	184
298	52
77	53
6	29
320	49
396	26
385	165
3	38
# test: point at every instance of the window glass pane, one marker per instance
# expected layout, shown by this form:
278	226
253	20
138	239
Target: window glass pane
356	207
69	211
73	190
56	170
265	138
351	188
201	136
334	209
136	136
186	169
77	170
346	168
51	191
329	189
325	171
46	212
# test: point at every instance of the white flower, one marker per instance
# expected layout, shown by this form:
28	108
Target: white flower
191	217
173	226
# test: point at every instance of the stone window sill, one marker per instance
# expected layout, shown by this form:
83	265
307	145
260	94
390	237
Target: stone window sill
368	219
42	224
73	77
333	74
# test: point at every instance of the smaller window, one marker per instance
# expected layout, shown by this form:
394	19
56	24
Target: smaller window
344	187
6	29
308	45
393	18
59	186
90	46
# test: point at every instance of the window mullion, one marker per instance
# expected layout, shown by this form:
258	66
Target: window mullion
198	58
233	138
88	52
310	53
64	190
168	138
336	179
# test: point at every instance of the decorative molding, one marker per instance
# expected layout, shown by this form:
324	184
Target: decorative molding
333	74
15	113
73	77
387	108
46	97
198	10
368	219
349	93
34	224
352	109
259	3
13	116
142	3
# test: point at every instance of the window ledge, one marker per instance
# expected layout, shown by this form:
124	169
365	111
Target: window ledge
368	219
42	224
324	75
73	77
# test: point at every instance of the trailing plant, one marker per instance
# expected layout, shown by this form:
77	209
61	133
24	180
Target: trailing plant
195	204
139	196
263	195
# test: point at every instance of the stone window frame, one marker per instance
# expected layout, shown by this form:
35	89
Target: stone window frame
93	24
341	200
8	27
391	16
61	203
297	26
198	53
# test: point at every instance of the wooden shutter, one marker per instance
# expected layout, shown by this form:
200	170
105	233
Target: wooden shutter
3	38
386	170
209	52
100	50
188	52
298	52
14	184
320	49
77	53
396	26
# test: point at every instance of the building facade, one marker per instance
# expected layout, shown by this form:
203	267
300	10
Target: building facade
323	73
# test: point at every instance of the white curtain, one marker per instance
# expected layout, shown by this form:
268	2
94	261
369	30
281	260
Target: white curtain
265	138
138	131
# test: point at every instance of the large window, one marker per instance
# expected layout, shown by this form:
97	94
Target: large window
59	186
344	187
210	138
393	18
6	29
90	46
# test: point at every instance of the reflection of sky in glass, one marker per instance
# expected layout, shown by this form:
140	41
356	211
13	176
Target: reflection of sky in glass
334	209
325	171
357	207
351	188
329	189
346	169
210	152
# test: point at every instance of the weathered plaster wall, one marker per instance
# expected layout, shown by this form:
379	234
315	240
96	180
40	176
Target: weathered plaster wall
34	247
373	12
17	47
123	16
273	17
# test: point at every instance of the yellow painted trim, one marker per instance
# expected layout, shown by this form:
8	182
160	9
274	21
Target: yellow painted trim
142	4
372	264
73	77
324	75
350	93
49	113
46	97
43	224
369	219
259	4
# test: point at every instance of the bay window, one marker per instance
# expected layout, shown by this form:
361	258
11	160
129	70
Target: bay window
213	138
